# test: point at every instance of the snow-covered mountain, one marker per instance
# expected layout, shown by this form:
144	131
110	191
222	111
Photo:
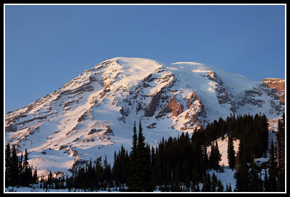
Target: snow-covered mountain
92	115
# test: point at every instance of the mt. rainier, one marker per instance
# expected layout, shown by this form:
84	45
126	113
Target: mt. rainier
93	114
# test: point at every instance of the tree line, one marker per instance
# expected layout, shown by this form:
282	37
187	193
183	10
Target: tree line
17	169
249	176
181	163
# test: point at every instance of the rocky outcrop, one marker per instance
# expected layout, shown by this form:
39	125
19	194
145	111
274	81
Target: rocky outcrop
151	108
195	113
159	97
212	76
252	97
278	85
109	131
275	83
86	115
172	106
191	99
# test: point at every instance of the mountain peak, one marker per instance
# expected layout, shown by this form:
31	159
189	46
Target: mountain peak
197	67
92	115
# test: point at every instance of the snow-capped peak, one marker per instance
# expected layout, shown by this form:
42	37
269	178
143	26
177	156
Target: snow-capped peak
92	115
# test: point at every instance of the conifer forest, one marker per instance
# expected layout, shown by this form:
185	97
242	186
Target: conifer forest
179	164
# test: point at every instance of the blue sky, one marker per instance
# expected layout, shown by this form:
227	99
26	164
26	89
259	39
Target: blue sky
47	45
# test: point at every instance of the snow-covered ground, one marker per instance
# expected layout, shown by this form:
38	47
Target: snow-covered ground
36	188
223	148
227	176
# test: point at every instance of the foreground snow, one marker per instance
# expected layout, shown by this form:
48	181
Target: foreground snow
36	188
226	177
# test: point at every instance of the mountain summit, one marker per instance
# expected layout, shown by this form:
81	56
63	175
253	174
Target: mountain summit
92	115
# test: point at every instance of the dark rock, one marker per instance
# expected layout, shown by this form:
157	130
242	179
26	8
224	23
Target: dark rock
109	131
151	108
151	126
172	106
92	131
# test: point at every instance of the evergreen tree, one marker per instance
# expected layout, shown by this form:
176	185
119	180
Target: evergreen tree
14	167
215	157
49	180
231	153
107	171
255	183
264	133
207	184
8	172
26	170
280	136
272	169
228	188
140	178
121	167
220	187
242	170
144	182
218	156
133	175
17	170
211	159
35	179
99	172
213	182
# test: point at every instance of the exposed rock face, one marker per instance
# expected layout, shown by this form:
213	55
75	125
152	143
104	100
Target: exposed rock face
171	107
195	113
192	98
251	98
212	76
276	84
159	97
151	108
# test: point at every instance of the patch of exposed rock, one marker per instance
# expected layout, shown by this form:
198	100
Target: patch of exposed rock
278	85
195	113
151	107
172	106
